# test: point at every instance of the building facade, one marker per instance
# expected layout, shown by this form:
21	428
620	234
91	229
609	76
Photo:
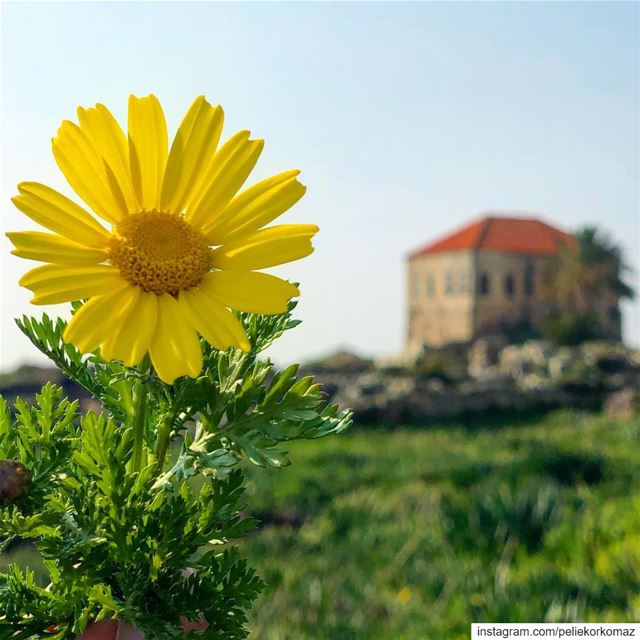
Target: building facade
489	275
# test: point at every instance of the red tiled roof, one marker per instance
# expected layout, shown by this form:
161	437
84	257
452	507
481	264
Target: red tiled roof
492	233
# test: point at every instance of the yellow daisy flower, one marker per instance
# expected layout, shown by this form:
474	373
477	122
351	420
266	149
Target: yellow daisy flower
183	247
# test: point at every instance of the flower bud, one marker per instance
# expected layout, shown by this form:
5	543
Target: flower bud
14	480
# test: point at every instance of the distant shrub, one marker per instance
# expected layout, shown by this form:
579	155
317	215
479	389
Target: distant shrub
574	468
500	514
433	366
471	473
518	332
565	467
570	329
521	515
448	364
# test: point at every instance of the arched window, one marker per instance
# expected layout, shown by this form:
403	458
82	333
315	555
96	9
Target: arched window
509	286
529	279
484	284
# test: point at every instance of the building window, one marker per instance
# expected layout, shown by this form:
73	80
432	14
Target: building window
484	284
431	286
529	286
509	286
448	282
415	289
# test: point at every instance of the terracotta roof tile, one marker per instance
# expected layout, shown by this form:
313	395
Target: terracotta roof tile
493	233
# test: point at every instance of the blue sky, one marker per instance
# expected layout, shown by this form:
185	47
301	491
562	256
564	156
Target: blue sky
407	120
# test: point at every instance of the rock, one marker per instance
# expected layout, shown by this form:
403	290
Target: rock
624	404
434	385
560	362
341	361
609	356
520	361
400	387
537	352
483	356
514	363
535	381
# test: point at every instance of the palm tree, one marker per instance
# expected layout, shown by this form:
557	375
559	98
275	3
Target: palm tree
586	282
589	271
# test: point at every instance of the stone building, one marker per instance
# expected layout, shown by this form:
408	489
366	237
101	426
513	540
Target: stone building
484	277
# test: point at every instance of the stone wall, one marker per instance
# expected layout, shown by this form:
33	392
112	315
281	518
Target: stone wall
503	377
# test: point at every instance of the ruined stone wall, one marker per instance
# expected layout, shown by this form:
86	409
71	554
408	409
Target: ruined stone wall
531	376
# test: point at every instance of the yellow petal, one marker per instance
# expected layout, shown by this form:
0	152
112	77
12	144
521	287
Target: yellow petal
255	207
48	247
231	147
265	248
216	324
249	291
55	283
147	149
109	141
191	152
130	341
98	318
56	212
229	170
175	348
87	172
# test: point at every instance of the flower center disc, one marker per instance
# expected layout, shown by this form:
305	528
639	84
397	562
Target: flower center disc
159	252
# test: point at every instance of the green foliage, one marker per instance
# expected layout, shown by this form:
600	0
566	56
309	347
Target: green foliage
604	266
504	515
145	542
570	329
448	364
585	276
105	381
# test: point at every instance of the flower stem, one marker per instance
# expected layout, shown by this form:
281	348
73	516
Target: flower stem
139	416
163	439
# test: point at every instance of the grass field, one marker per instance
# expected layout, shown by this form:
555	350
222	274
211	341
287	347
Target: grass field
412	534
